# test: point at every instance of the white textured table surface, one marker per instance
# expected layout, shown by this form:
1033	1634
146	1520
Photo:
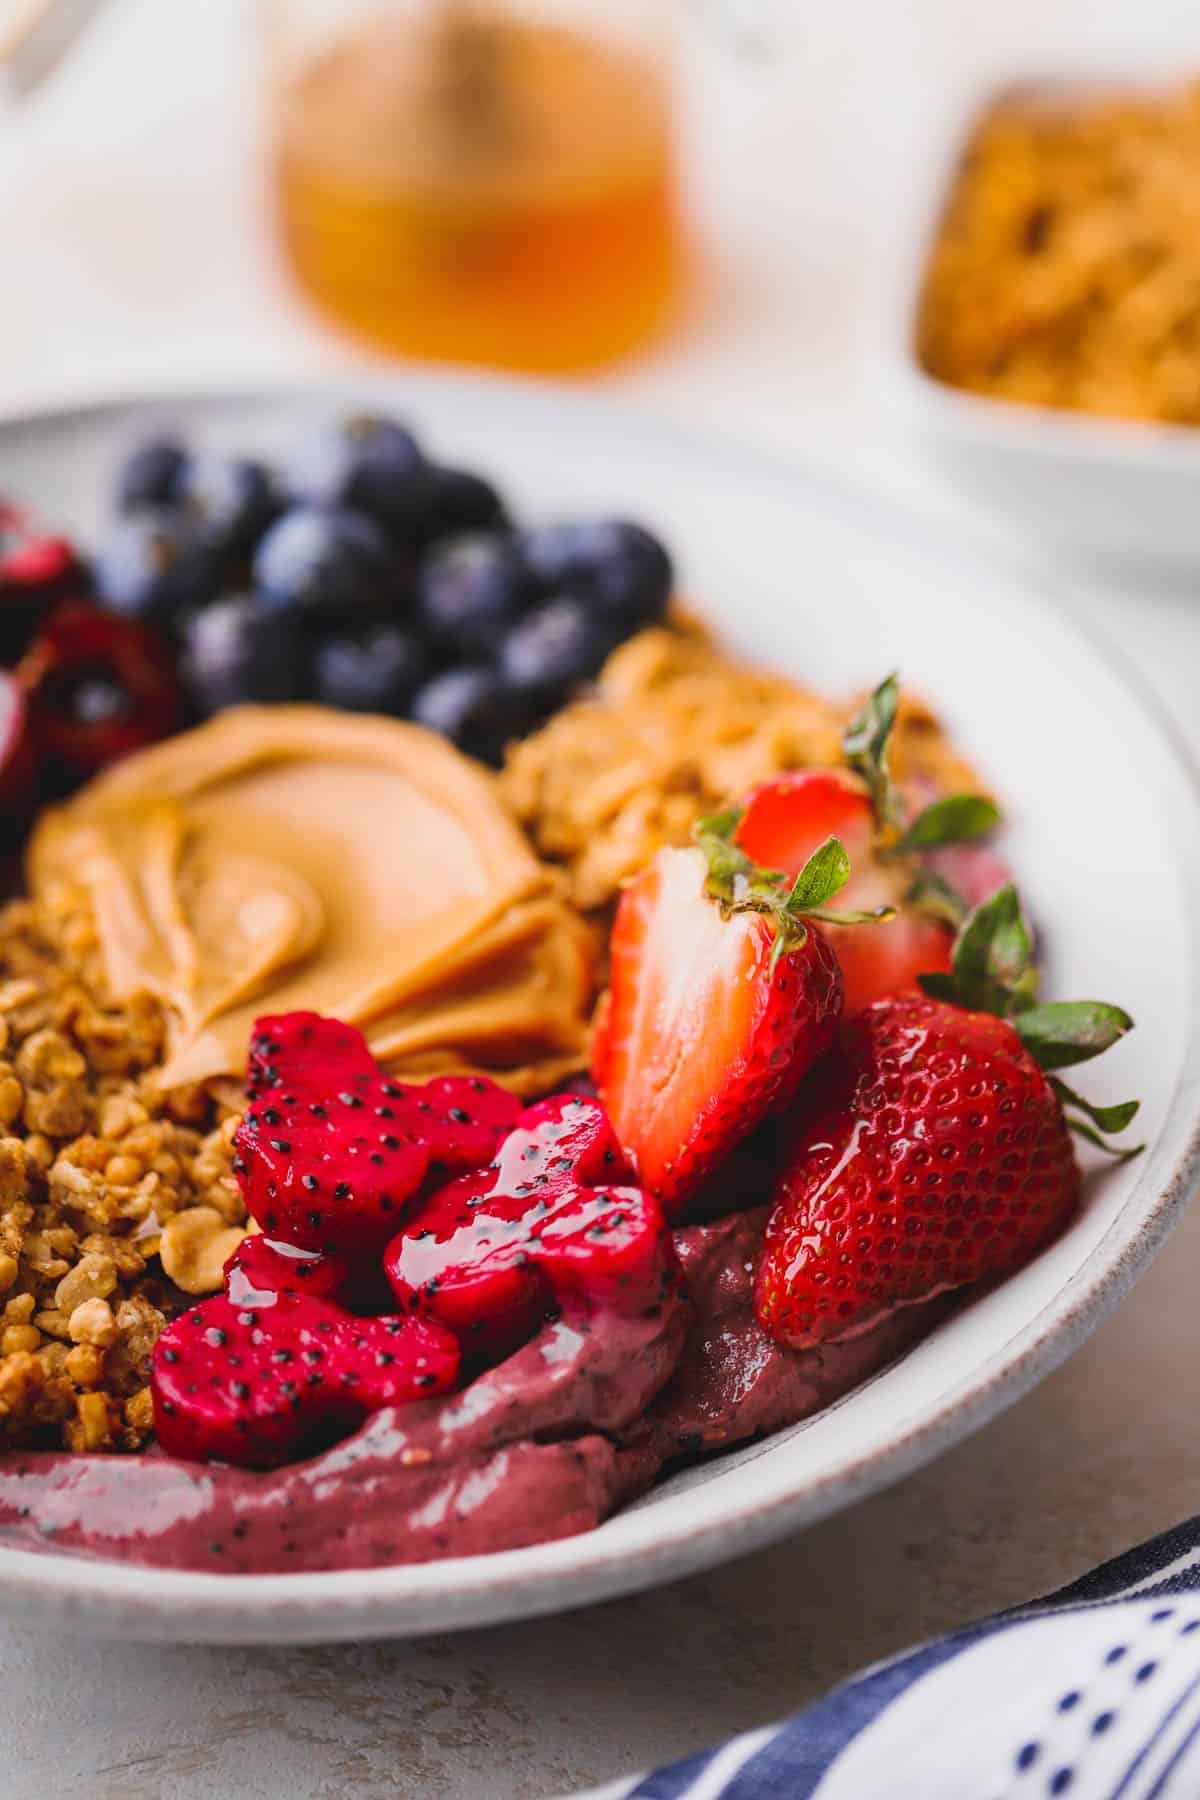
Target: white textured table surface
133	258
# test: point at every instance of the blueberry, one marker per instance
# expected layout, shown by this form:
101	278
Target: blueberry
376	670
229	501
151	474
558	646
233	652
373	465
318	563
619	567
470	590
457	500
151	566
474	708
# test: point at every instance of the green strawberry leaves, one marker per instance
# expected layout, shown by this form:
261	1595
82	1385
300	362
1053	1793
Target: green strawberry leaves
1103	1119
1071	1031
865	741
954	819
740	885
826	871
994	972
931	894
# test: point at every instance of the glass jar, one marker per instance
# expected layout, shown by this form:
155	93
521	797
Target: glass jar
486	181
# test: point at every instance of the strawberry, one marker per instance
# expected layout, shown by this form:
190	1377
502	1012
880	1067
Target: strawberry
785	820
783	823
330	1151
935	1150
261	1385
721	999
543	1231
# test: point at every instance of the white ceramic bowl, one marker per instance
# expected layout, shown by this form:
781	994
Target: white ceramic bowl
1108	489
832	586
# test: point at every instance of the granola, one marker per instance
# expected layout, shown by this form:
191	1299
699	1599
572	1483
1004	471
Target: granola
115	1197
1065	273
674	730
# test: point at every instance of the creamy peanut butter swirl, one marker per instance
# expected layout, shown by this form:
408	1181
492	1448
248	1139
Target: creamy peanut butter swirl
284	857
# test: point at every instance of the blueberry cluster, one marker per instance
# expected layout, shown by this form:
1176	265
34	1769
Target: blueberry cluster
368	577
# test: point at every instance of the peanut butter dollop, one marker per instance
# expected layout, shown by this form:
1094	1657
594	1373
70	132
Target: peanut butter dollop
296	857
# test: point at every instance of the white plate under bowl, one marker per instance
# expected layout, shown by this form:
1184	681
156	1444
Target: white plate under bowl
1109	490
829	585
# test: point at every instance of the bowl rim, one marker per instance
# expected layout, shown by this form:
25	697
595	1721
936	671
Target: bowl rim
407	1600
1020	426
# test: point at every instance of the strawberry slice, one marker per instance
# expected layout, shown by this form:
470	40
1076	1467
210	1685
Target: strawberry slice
714	1013
784	822
543	1231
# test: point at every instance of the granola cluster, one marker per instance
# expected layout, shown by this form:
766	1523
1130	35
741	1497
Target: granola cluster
674	730
117	1201
1067	271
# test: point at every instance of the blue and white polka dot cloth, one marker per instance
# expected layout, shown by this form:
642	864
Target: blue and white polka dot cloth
1093	1693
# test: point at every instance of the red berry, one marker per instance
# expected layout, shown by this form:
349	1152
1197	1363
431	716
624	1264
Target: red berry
36	571
99	687
786	820
930	1153
701	1037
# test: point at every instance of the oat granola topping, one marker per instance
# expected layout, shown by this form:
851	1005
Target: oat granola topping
677	729
99	1171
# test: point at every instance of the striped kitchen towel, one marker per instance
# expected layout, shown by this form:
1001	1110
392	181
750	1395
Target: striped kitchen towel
1093	1692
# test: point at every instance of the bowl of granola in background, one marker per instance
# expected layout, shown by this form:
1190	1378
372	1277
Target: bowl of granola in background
1042	330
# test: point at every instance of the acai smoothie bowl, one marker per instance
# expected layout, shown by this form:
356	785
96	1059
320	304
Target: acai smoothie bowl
473	1046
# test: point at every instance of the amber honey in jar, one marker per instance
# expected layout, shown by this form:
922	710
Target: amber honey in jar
479	180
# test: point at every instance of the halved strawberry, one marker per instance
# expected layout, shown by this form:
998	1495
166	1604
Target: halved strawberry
786	819
784	822
715	1012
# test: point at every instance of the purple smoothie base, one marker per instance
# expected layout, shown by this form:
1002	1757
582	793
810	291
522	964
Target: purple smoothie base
581	1419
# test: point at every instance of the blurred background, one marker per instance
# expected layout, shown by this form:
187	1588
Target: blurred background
192	193
721	209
